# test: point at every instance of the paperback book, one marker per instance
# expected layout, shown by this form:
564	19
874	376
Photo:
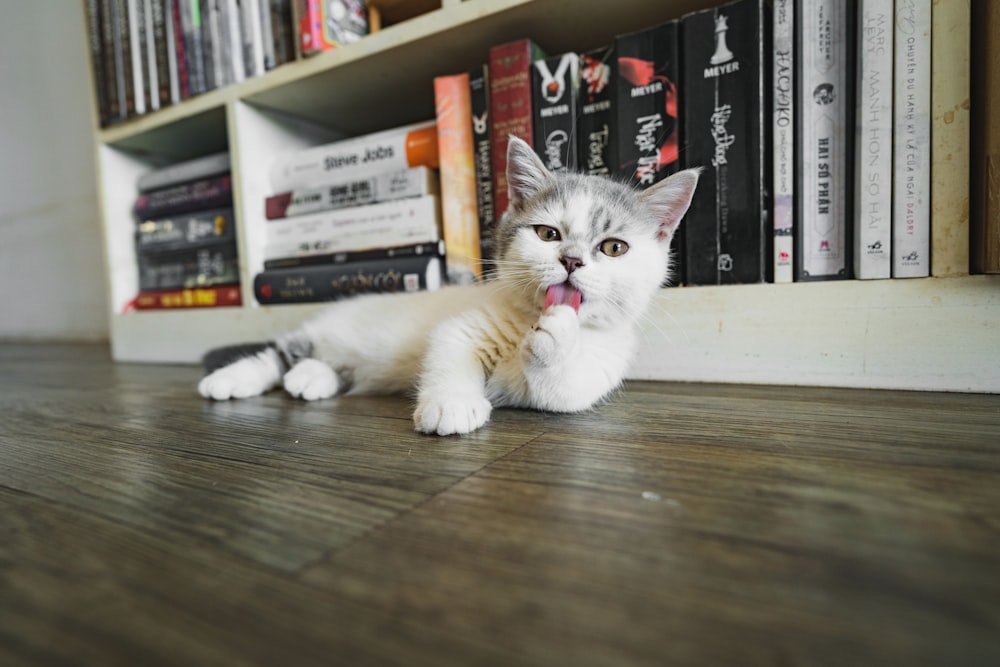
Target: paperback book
554	110
596	118
479	99
727	231
387	186
783	138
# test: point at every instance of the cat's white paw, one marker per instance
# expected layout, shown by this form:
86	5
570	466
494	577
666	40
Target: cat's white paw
247	377
554	336
451	415
311	380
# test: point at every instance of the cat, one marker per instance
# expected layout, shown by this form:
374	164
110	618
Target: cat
579	260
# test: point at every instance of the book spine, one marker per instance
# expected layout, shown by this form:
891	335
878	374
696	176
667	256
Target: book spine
216	45
401	184
479	100
137	48
179	57
338	281
873	141
194	56
430	248
252	41
399	148
283	27
97	56
459	215
646	104
783	138
510	107
149	53
555	84
203	266
912	146
822	103
319	29
182	172
267	36
199	297
185	232
112	59
727	228
198	195
123	65
162	46
403	222
232	32
596	117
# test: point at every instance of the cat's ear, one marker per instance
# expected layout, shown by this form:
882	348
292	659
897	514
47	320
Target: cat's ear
526	175
669	200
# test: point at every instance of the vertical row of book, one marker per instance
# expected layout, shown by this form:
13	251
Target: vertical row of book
149	54
810	119
185	236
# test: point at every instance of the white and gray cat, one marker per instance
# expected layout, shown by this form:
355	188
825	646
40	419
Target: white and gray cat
579	260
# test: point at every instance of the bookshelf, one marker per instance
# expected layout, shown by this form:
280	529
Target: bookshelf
933	333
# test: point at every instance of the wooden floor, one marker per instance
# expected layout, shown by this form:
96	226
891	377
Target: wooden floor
677	525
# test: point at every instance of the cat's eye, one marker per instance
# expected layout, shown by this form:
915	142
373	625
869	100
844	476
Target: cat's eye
614	247
547	233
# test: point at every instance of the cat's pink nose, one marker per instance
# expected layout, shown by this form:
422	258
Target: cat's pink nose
571	263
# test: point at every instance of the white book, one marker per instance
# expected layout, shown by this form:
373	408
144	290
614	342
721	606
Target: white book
367	155
391	185
394	223
873	141
235	35
824	139
253	45
783	135
136	32
911	217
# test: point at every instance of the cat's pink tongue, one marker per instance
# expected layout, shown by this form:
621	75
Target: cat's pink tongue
563	294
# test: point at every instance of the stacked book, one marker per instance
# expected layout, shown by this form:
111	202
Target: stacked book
185	236
356	216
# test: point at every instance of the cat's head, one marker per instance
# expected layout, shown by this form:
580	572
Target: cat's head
587	241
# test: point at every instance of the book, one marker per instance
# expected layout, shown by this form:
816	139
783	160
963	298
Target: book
911	201
185	231
479	101
182	172
646	104
873	137
137	54
208	193
160	83
196	297
322	28
328	282
388	252
459	212
413	145
595	122
123	57
203	266
180	88
985	196
555	83
97	59
393	223
283	30
388	186
248	35
727	230
510	107
783	138
824	140
112	62
267	37
194	54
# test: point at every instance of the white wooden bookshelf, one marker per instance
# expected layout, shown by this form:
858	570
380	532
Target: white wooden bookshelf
935	333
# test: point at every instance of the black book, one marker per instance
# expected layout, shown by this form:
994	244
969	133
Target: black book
595	122
479	96
727	130
554	96
204	266
329	282
185	231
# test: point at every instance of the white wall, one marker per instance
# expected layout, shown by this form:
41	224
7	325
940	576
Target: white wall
52	283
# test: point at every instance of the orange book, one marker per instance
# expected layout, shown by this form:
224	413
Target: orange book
459	210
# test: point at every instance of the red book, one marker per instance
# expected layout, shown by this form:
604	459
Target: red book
510	106
197	297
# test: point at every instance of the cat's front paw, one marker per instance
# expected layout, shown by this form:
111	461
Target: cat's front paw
247	377
311	380
447	416
554	336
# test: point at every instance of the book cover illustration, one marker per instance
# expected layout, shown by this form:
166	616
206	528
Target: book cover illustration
595	125
647	118
554	104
